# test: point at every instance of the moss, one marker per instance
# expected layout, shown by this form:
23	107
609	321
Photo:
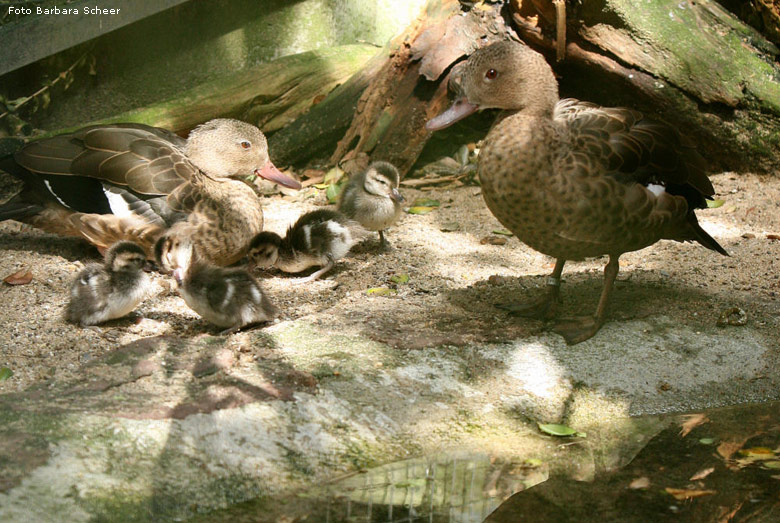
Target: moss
699	48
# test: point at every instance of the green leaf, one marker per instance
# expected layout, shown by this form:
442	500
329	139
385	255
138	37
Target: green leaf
321	185
5	373
380	291
503	232
559	430
400	279
333	176
771	464
426	202
333	192
707	441
714	204
420	210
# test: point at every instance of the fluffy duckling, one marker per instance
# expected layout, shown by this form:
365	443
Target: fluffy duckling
112	290
318	238
226	297
114	182
372	199
572	179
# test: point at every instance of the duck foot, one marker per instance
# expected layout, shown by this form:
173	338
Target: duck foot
577	330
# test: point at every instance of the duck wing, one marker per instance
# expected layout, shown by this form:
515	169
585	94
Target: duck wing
635	150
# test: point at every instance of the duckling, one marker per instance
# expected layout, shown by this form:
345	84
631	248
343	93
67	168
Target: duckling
128	181
112	290
572	179
372	199
318	238
227	297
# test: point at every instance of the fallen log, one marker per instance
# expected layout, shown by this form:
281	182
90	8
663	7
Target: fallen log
269	95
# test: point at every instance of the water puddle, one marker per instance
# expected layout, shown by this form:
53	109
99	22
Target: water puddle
717	465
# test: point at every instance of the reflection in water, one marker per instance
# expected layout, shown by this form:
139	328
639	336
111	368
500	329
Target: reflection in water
458	488
719	465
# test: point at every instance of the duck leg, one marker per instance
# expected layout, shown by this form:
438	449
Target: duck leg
576	330
542	307
383	243
316	274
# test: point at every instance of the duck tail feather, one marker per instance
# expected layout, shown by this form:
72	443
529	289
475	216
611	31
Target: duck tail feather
703	237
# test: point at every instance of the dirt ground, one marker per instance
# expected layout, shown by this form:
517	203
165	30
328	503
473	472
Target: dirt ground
455	277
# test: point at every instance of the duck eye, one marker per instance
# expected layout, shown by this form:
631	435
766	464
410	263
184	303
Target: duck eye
245	144
491	74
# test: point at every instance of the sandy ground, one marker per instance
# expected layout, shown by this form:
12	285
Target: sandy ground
455	277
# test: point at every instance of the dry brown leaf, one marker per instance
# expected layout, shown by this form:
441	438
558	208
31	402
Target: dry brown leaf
493	240
773	236
640	483
21	277
691	422
681	494
728	448
702	474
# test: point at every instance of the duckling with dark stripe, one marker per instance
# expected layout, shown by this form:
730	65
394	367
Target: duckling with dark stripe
318	239
111	290
228	297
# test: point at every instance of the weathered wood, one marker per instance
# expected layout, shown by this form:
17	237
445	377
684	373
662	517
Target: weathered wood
40	35
391	114
268	95
316	132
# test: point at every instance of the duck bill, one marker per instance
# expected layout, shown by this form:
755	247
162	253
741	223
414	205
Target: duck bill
396	196
272	174
460	109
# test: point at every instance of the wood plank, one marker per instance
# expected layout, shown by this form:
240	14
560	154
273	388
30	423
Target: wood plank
40	35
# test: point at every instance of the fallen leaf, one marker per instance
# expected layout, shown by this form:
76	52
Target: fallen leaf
333	192
707	441
493	240
5	373
380	291
554	429
400	278
758	452
426	202
691	422
420	210
773	236
714	204
728	448
640	483
503	232
450	227
683	494
333	176
21	277
702	474
771	464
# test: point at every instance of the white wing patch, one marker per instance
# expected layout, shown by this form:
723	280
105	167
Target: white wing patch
119	206
48	186
657	190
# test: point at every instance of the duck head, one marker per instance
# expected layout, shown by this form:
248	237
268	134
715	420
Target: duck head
263	250
382	179
125	256
224	148
505	75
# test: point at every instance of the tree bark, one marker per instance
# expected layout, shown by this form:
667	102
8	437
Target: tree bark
693	64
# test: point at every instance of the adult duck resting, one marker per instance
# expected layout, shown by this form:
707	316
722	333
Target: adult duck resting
574	180
131	182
